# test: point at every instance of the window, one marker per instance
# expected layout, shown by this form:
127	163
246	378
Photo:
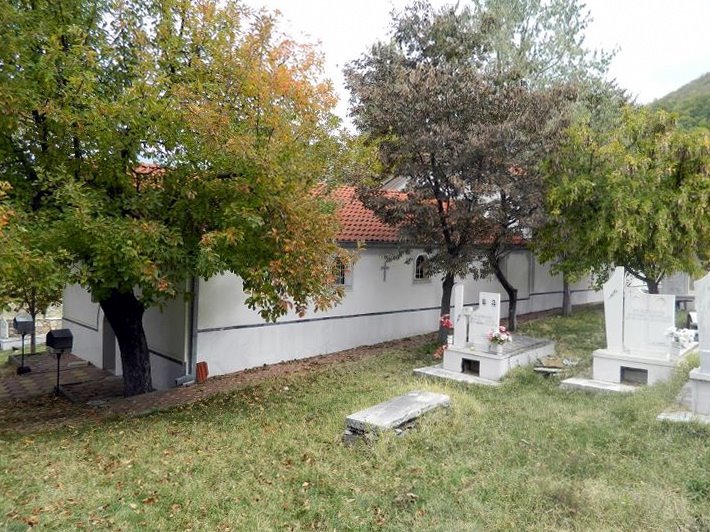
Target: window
343	273
421	268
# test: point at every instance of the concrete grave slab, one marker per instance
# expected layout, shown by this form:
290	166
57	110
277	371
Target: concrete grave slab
522	351
396	412
591	385
438	372
682	410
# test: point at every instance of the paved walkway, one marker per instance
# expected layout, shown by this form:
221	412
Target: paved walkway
74	374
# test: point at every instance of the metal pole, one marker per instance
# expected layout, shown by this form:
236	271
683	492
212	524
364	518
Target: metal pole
56	390
22	369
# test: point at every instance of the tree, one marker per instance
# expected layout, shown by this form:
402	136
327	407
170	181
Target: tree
33	275
600	106
233	120
464	103
635	195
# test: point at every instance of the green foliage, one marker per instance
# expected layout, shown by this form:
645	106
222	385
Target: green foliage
228	108
635	195
691	103
33	273
464	102
235	116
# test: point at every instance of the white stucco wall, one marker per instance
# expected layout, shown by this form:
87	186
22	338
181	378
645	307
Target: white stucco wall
83	318
231	337
164	328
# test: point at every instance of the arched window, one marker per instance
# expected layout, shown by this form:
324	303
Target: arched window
343	273
421	268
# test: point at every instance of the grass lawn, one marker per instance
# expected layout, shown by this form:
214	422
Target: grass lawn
525	456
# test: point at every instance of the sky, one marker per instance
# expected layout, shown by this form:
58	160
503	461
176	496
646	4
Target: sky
661	44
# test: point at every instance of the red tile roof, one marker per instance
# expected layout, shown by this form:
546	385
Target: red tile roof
357	222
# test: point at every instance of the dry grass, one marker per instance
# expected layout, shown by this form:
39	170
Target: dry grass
526	456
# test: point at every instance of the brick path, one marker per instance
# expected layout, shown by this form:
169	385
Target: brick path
42	379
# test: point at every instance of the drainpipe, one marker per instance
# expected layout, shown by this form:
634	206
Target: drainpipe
192	305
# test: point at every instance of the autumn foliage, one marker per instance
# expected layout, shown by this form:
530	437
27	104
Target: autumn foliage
156	141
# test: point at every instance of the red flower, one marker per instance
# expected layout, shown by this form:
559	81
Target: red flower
445	322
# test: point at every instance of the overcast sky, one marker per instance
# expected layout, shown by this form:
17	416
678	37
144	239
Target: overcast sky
662	44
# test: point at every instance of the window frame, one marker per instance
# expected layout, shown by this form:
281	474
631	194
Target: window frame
426	275
344	275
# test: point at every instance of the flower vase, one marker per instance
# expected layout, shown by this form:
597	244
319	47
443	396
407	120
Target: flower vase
676	349
450	339
495	349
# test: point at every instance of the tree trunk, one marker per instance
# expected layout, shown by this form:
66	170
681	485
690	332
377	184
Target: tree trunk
652	286
32	310
512	295
566	297
33	336
125	314
447	287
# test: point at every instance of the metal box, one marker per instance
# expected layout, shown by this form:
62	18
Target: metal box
60	340
23	324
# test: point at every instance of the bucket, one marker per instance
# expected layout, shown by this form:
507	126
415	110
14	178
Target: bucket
201	372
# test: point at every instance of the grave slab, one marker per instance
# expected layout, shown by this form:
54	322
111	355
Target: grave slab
396	412
591	385
522	351
438	372
682	410
683	417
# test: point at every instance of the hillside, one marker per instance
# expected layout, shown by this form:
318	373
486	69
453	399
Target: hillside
691	102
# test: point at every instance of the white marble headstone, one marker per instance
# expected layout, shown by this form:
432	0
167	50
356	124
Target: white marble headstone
702	306
614	310
459	318
484	319
4	328
647	318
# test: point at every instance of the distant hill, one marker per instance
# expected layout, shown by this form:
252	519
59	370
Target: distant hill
691	102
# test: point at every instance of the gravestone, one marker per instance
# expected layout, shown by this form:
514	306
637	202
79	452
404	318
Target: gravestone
4	328
638	348
700	377
484	319
614	310
460	319
702	305
647	318
469	358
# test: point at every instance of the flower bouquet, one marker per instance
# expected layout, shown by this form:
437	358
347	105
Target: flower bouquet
500	336
683	337
446	323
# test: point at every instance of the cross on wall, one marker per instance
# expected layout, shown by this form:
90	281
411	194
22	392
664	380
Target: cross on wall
384	269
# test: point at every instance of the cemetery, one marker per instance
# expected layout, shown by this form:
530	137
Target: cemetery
221	276
642	343
384	300
478	353
272	451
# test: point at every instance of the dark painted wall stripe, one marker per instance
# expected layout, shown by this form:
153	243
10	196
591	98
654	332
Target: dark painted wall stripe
90	327
362	315
167	357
